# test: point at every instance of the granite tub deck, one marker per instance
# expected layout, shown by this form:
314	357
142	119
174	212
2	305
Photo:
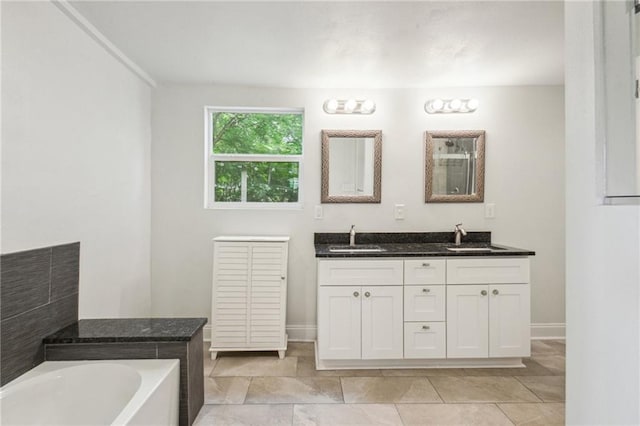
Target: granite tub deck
413	244
139	338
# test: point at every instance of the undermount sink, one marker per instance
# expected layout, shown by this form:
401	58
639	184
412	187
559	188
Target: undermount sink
474	249
362	248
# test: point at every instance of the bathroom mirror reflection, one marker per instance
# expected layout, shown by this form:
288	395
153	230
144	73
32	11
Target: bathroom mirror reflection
351	166
454	166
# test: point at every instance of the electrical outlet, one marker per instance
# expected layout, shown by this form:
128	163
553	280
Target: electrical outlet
318	214
398	212
490	210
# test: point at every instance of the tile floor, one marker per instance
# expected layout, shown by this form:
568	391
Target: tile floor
260	389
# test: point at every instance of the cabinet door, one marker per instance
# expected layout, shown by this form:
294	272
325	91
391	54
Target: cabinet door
382	324
424	340
268	295
230	316
339	315
467	321
424	303
509	321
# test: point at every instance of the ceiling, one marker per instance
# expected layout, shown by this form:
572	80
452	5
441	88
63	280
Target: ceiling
338	44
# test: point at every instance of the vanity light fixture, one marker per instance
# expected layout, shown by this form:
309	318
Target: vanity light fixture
349	106
447	106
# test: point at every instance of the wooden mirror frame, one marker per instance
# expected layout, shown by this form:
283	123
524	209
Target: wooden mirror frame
377	166
429	196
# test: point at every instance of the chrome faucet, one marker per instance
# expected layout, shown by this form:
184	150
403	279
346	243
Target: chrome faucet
352	236
459	232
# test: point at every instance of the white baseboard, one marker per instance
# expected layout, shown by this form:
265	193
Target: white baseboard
546	331
308	333
297	333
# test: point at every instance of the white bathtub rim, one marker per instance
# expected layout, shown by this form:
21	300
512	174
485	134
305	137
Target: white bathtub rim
155	371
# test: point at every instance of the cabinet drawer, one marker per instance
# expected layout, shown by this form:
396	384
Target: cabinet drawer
424	271
424	340
360	272
424	303
488	271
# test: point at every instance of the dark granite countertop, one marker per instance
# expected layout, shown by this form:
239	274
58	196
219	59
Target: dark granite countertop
128	330
414	244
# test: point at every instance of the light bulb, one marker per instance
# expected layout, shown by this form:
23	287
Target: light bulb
331	106
472	104
367	106
437	104
350	105
455	104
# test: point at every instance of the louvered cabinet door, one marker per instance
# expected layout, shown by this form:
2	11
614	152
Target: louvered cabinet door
268	295
230	297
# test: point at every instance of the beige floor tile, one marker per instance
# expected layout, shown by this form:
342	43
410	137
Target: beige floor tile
312	390
255	366
245	415
300	349
225	390
542	347
388	390
554	363
422	372
207	361
482	389
533	368
346	414
547	388
452	414
535	414
307	368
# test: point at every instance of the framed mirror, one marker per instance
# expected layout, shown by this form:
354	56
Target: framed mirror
454	170
351	166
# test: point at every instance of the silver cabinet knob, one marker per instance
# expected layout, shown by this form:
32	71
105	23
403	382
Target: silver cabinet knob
367	294
356	294
426	290
425	327
282	277
483	292
426	265
495	291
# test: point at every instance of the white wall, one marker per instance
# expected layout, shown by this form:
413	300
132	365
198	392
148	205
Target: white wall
75	156
524	178
603	249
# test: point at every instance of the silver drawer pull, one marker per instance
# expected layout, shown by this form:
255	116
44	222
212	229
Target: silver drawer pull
356	294
495	291
367	294
426	290
426	265
426	327
483	292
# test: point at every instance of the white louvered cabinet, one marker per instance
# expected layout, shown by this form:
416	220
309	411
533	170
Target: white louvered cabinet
249	295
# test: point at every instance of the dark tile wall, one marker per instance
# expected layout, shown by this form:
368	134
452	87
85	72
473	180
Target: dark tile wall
38	296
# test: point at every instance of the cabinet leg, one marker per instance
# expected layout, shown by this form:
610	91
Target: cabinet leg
214	355
281	354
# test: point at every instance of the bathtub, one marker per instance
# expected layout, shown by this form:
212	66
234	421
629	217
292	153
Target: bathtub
87	393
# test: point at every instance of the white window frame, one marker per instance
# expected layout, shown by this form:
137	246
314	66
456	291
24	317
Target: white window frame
210	160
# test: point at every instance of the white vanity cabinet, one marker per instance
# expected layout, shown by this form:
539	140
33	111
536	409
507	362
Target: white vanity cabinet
424	308
423	312
249	295
360	309
488	308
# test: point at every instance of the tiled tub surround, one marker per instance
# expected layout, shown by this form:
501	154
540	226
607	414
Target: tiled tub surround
139	338
38	296
413	244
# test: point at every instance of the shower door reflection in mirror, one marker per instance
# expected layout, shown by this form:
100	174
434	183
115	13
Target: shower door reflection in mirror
454	166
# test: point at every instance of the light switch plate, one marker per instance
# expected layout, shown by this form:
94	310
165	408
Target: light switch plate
490	210
318	213
398	212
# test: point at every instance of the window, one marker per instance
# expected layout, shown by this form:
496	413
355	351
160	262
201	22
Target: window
253	156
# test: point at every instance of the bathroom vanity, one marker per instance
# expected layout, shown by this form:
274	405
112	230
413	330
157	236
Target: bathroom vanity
417	300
